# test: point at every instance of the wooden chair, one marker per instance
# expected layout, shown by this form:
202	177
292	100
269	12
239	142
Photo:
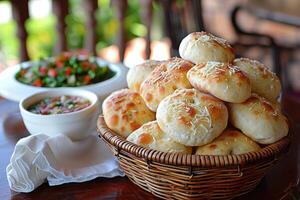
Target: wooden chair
265	10
181	20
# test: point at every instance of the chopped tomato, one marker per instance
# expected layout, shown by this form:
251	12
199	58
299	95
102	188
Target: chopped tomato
68	71
43	70
85	65
38	83
52	73
86	79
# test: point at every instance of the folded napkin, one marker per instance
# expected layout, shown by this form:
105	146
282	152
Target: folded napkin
59	160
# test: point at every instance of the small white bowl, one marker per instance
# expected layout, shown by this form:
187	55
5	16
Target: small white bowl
76	125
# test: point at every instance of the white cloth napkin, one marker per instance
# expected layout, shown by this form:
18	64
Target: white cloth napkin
59	160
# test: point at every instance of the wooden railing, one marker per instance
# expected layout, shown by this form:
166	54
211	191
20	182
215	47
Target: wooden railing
172	18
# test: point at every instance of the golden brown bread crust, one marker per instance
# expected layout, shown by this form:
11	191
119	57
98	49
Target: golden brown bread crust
192	118
229	142
151	136
263	82
199	47
138	73
164	80
125	111
223	80
259	119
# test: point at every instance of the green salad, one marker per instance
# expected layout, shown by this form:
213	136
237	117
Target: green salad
66	70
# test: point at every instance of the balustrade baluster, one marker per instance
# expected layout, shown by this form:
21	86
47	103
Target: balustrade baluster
121	10
146	14
91	24
21	14
60	9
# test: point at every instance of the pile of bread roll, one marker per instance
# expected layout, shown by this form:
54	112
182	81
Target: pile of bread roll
206	102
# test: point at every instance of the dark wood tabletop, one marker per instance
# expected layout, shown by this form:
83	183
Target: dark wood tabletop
279	183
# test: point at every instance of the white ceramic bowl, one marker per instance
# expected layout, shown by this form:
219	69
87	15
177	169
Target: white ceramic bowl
76	125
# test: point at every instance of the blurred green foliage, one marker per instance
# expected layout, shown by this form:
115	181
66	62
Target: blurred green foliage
42	36
8	43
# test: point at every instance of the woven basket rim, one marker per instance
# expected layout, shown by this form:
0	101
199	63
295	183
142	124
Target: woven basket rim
272	151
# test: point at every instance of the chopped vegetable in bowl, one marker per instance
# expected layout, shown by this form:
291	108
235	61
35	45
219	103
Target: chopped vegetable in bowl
59	105
66	70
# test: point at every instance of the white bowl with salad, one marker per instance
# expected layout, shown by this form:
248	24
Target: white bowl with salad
67	70
71	112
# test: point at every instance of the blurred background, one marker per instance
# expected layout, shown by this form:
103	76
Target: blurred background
131	31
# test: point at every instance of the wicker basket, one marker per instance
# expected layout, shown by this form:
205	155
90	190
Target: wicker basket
182	176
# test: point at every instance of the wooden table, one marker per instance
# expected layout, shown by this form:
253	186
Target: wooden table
279	183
